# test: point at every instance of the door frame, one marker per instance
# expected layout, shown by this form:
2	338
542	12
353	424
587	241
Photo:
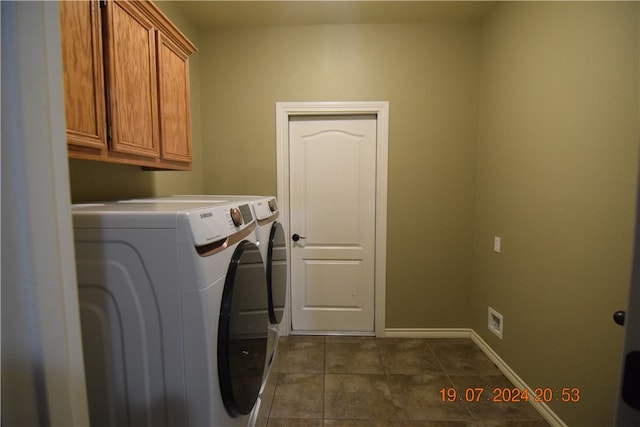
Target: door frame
625	414
43	346
286	110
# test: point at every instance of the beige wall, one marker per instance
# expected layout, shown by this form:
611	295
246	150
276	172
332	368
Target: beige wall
556	177
92	181
428	73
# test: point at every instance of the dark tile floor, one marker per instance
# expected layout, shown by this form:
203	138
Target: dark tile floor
377	382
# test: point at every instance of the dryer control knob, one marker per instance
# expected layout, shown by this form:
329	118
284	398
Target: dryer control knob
236	216
272	205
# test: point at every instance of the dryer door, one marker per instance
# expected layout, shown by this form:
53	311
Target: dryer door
242	330
277	268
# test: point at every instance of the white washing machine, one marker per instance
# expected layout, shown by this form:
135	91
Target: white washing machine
173	302
273	247
271	241
272	244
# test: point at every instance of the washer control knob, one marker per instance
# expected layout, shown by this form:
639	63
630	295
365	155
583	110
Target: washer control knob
272	205
236	216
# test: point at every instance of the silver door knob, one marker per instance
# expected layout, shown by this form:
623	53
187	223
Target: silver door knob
297	237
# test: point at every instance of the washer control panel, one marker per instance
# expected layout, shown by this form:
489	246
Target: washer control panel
218	222
265	208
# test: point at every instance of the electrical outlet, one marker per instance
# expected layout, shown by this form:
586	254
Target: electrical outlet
497	241
495	322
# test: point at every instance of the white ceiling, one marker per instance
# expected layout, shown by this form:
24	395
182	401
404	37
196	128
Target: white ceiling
225	14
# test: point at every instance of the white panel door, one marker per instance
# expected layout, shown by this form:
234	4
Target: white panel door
332	207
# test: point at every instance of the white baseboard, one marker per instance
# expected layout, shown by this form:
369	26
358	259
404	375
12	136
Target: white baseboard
427	333
542	408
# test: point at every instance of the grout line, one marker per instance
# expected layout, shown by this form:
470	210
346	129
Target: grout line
446	373
384	368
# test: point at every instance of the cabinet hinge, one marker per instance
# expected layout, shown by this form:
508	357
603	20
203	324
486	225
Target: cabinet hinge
109	132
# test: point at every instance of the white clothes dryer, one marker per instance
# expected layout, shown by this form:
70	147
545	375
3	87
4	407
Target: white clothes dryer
270	236
168	295
272	244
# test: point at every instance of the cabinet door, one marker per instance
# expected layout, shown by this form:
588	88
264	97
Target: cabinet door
173	93
131	79
81	33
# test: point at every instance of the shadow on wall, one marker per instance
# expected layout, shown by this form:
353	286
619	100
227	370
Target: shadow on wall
96	181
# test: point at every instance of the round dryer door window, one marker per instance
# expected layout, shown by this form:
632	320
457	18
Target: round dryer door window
277	272
242	330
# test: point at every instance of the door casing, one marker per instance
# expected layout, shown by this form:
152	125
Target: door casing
285	110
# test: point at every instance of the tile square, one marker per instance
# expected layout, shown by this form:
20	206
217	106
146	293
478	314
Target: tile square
419	397
298	396
300	354
294	422
407	356
355	356
523	423
346	339
488	410
358	397
357	423
462	356
376	423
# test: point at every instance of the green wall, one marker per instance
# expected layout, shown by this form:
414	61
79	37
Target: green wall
556	178
93	181
429	75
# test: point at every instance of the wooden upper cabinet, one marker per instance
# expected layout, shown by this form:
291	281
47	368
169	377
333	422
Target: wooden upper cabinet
145	88
81	33
173	91
131	80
